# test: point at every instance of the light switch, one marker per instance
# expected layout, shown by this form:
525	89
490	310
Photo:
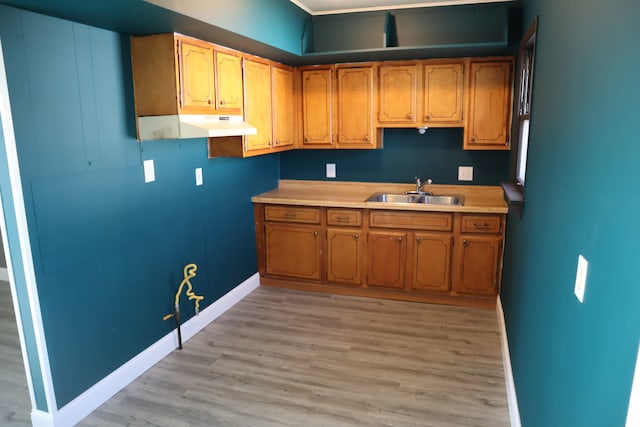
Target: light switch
331	170
581	278
465	173
149	171
198	176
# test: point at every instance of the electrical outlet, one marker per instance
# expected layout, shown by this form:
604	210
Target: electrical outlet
149	171
331	170
581	278
465	173
198	176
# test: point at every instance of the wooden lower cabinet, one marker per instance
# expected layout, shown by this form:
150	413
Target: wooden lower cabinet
344	255
293	250
478	258
386	259
431	262
452	258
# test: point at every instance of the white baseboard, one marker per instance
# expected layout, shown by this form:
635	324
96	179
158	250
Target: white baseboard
512	400
41	419
4	274
87	402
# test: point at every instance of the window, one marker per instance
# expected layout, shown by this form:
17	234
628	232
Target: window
526	62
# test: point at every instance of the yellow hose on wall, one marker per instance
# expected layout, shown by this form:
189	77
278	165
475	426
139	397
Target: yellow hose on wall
189	272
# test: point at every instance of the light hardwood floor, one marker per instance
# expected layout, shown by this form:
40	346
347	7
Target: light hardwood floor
289	358
15	407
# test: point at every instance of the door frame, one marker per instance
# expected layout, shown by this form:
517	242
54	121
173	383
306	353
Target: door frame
20	268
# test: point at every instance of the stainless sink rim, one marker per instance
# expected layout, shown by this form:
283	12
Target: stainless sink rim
438	199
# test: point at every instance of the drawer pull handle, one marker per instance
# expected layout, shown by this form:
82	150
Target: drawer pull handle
342	218
481	225
290	215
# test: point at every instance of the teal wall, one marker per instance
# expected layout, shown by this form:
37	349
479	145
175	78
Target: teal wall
573	363
406	154
109	249
277	23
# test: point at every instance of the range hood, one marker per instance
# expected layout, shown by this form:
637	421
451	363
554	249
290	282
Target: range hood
182	126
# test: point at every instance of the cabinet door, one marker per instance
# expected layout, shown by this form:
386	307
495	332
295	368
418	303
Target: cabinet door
228	83
490	94
317	127
386	259
398	92
257	91
477	270
431	262
292	250
355	106
443	89
344	255
196	78
283	106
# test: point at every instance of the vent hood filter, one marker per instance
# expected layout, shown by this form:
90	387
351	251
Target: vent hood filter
192	126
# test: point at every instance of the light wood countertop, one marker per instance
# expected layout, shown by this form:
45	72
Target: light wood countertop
478	199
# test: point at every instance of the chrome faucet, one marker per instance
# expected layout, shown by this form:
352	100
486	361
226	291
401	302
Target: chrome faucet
420	184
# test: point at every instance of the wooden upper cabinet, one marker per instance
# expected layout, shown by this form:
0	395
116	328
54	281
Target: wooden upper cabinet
355	105
257	88
489	105
175	74
228	82
317	109
197	78
443	94
398	89
283	107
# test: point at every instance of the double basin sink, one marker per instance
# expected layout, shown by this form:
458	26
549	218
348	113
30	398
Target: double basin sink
413	198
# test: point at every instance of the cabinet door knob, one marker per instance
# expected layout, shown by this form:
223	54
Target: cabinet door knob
315	234
400	239
355	236
366	138
209	102
277	142
473	139
410	116
465	242
418	239
428	117
306	140
222	102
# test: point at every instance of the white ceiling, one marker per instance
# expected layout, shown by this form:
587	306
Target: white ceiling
327	7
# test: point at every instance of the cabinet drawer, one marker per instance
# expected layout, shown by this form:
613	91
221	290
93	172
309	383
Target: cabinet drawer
344	217
411	220
292	214
481	224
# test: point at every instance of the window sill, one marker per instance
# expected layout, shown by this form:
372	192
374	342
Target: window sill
514	195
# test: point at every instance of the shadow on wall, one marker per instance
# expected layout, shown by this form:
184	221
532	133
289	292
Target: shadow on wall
406	154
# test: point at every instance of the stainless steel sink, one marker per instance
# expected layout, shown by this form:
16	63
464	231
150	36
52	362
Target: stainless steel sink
417	198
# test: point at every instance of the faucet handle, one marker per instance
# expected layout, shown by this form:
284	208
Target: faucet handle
429	181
